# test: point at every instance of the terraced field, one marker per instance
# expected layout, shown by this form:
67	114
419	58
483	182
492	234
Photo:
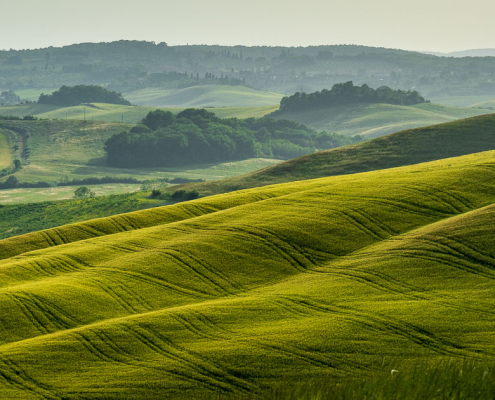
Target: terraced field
230	294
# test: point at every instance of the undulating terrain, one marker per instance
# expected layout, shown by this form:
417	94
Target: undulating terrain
408	147
230	294
374	120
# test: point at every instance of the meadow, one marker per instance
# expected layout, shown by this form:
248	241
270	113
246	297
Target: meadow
115	113
374	120
32	215
204	96
67	150
340	278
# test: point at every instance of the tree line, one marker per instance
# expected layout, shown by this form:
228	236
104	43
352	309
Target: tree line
73	96
347	93
197	136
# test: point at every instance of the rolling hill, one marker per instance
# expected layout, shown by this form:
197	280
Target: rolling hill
408	147
231	294
115	113
374	120
204	96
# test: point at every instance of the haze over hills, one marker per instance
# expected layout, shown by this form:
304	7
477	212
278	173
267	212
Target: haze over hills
466	53
231	294
126	66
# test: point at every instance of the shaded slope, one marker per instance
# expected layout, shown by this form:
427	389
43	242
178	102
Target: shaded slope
255	287
402	148
374	120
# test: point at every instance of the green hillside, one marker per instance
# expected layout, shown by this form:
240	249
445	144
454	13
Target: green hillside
465	101
204	96
408	147
18	219
373	120
232	294
113	112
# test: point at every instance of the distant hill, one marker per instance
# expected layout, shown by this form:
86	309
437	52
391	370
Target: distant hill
126	66
402	148
373	120
115	113
233	295
467	53
204	96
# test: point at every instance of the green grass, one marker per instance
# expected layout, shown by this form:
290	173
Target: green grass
445	380
24	196
464	101
74	149
402	148
233	294
33	94
373	120
5	151
204	96
19	219
113	112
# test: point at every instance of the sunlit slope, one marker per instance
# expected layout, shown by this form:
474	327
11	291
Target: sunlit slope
374	120
231	293
408	147
204	96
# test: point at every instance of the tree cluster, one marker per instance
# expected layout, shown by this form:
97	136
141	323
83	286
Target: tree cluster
347	93
197	136
73	96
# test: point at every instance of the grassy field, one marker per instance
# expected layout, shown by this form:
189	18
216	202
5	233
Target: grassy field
33	94
113	113
74	149
402	148
5	151
373	120
19	219
233	294
465	101
24	196
204	96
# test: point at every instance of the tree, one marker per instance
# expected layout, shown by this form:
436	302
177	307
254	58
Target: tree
158	119
11	183
84	192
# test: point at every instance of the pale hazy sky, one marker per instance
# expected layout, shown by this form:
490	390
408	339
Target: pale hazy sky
429	25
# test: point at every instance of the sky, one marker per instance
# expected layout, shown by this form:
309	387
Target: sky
421	25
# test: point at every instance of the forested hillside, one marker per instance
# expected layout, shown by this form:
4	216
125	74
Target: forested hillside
126	66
